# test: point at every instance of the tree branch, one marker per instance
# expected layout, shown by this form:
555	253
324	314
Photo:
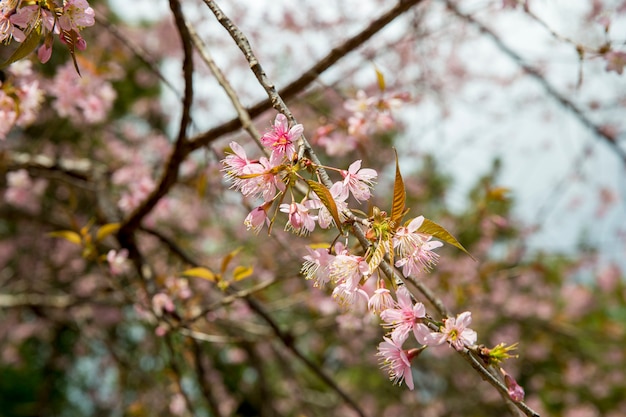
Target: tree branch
181	150
310	75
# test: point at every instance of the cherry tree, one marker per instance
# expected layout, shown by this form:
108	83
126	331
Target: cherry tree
247	209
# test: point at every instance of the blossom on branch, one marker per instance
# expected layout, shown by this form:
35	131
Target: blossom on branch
301	221
77	14
316	266
256	219
454	331
415	249
358	181
404	316
381	300
281	139
396	360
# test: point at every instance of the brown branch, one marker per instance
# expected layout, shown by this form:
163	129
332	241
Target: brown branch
285	338
136	50
181	150
310	75
170	174
242	113
201	372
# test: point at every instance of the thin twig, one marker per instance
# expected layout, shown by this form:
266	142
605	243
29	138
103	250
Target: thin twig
310	75
286	338
242	113
178	373
205	387
139	52
181	150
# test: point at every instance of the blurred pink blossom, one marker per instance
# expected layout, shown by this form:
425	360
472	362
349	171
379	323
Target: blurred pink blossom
615	61
82	99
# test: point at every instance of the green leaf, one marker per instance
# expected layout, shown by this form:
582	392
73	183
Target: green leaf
242	272
68	235
429	227
399	197
200	272
327	199
106	230
29	45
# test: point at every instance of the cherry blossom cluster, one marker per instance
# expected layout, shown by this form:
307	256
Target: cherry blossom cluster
21	19
272	177
368	115
84	99
23	191
348	272
407	317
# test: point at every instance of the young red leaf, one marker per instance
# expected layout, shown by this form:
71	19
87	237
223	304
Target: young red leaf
399	198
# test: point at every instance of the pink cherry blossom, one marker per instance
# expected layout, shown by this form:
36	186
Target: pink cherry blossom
82	99
162	302
358	126
301	221
348	296
361	104
118	261
358	181
346	268
256	219
396	360
137	192
454	331
415	250
337	144
405	315
9	30
516	392
234	164
615	61
260	179
27	16
76	15
22	191
316	266
380	301
280	139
